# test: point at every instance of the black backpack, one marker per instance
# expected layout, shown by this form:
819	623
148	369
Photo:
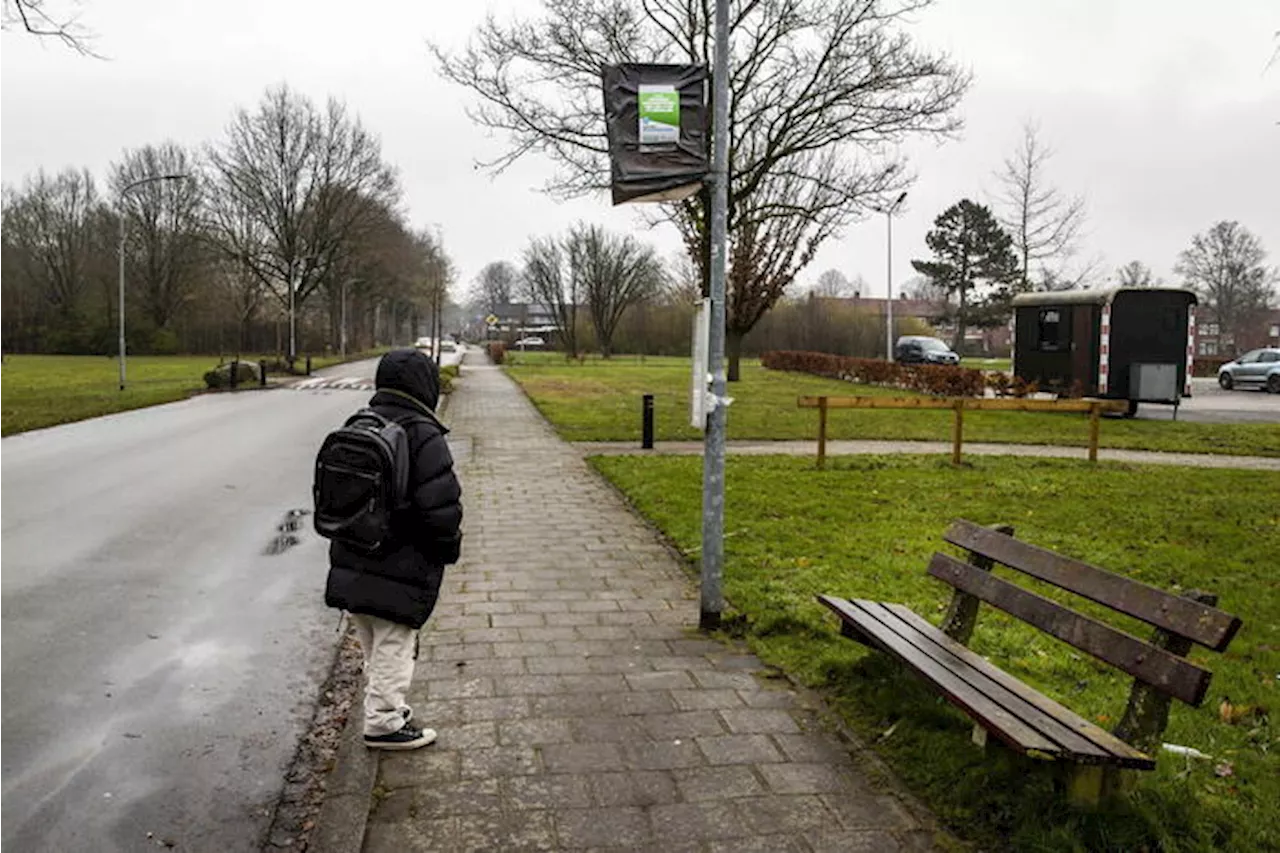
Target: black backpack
362	477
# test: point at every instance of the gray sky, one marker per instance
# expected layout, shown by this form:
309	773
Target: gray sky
1162	113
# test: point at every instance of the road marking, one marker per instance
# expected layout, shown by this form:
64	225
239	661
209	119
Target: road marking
341	383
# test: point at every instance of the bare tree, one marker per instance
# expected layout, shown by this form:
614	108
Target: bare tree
614	273
39	19
313	182
822	93
50	223
1045	224
549	280
496	285
164	222
1136	274
1226	266
832	284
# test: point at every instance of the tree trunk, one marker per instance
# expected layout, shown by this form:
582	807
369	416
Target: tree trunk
961	322
733	351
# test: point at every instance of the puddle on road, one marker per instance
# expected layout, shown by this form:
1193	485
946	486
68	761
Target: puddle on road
287	532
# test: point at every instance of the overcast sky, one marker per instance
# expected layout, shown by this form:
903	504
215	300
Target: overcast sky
1162	113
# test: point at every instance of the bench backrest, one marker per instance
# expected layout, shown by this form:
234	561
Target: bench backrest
1168	673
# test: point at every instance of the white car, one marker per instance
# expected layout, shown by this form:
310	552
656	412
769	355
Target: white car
530	342
1259	368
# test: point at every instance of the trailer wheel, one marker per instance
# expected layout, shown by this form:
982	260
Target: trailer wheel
1132	410
1273	383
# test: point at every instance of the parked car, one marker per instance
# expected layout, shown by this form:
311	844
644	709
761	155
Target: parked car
1258	368
448	346
530	342
917	349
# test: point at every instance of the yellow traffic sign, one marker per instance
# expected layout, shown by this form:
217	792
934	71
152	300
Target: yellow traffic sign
491	320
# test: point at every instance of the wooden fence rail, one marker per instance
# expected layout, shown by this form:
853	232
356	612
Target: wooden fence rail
1094	408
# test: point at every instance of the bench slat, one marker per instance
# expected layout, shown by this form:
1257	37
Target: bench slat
1008	728
976	672
1168	673
1125	754
1208	626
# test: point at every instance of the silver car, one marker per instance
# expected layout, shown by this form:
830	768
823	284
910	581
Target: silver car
1258	368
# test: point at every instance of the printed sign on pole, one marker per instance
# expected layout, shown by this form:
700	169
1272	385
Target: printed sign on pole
656	121
700	378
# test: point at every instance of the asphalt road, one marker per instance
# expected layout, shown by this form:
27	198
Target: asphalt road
159	666
1211	405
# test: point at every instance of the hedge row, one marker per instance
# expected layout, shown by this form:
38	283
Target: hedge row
938	379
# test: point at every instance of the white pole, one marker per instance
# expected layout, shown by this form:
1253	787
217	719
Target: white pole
888	304
343	336
293	345
712	603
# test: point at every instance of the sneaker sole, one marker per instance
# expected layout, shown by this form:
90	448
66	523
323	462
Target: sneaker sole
405	745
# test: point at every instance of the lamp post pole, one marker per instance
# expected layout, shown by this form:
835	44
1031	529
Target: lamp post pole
123	193
888	212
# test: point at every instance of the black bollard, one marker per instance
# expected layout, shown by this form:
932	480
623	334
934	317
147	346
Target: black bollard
308	365
262	373
646	442
235	370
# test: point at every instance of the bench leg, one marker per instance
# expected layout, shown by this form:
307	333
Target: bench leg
1084	785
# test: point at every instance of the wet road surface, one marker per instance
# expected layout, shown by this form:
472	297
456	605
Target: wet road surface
159	664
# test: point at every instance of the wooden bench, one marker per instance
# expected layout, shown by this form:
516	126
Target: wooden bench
1019	716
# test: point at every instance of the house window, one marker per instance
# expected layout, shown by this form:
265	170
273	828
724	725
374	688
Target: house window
1053	331
1275	330
1208	347
1209	329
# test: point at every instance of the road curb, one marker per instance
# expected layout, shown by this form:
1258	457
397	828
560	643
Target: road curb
340	825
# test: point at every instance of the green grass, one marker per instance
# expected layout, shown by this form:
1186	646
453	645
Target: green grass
866	528
601	401
1001	364
46	390
40	391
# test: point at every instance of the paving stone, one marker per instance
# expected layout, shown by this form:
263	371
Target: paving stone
739	749
703	821
638	702
813	748
506	831
466	796
581	757
662	755
643	788
853	841
534	732
543	791
864	810
499	761
762	721
717	783
792	778
684	724
466	736
460	688
673	680
607	729
600	827
790	814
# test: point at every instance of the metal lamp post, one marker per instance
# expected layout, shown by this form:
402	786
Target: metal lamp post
888	212
123	193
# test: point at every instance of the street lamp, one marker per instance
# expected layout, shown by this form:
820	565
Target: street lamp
123	193
888	212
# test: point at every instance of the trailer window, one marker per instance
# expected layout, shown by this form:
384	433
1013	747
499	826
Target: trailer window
1053	327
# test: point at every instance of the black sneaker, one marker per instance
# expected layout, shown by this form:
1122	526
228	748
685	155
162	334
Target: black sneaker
409	737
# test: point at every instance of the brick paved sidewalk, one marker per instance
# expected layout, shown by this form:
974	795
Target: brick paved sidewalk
577	706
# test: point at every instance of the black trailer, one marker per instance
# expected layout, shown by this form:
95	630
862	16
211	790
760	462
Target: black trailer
1132	344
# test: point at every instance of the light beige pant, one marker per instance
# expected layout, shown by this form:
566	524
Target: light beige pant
389	650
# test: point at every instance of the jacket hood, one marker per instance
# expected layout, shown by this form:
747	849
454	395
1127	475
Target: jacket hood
409	372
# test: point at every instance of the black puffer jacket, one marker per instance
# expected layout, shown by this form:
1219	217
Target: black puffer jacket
402	582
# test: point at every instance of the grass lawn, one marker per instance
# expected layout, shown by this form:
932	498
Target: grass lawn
40	391
1002	364
866	529
601	401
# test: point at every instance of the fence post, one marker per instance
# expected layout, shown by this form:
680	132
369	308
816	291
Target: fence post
822	433
235	373
308	365
957	436
1093	431
646	441
262	373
